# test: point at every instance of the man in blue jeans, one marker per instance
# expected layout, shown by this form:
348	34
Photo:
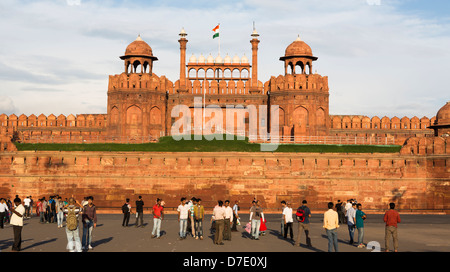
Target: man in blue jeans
158	216
183	216
256	213
89	219
331	224
351	214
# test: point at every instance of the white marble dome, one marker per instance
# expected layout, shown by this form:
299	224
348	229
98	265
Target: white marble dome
244	59
236	59
219	59
192	59
201	59
210	59
227	59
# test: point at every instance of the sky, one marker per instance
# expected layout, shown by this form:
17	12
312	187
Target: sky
382	57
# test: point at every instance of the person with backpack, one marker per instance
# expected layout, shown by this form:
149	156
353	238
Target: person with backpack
71	212
302	215
126	210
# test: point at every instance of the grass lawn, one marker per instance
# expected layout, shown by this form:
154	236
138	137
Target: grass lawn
168	144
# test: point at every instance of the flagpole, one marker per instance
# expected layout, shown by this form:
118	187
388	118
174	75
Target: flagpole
204	105
219	39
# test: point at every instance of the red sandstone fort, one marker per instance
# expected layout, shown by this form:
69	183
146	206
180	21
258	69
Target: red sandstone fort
139	110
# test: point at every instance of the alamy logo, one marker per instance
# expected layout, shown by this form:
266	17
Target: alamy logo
212	121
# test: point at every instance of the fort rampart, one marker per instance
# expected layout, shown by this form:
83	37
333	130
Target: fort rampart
417	178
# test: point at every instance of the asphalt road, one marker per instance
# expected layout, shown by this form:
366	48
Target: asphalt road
417	233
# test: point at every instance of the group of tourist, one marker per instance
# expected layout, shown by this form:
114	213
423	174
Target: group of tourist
351	214
191	214
55	210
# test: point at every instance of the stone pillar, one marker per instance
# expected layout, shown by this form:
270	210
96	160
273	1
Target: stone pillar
254	81
183	41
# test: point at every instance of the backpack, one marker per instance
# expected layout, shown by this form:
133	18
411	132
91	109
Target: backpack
300	214
72	220
125	208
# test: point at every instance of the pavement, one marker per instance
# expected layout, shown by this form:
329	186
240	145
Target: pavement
417	233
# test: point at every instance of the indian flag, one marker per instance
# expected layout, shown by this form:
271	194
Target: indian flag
216	31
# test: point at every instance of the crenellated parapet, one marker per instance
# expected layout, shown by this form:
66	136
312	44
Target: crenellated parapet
359	122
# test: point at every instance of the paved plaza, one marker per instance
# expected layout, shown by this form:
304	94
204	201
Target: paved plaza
417	233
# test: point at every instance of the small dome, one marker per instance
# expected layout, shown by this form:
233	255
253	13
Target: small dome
443	115
192	59
244	59
210	59
236	59
298	48
219	59
201	59
227	59
139	48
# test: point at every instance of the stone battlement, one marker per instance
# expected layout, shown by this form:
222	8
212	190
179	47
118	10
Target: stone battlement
413	181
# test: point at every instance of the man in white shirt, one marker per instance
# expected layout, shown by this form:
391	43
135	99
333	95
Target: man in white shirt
331	224
183	215
348	205
26	204
3	210
18	212
351	214
288	220
219	216
228	220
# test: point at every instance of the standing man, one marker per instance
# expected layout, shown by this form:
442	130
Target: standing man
41	208
27	205
199	213
219	217
360	217
158	216
18	212
72	212
351	213
183	217
126	210
3	210
59	210
89	219
340	211
303	223
139	212
256	214
235	215
52	203
191	225
331	224
228	220
288	220
283	206
392	218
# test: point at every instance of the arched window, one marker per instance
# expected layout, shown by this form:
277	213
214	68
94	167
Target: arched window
244	73
299	67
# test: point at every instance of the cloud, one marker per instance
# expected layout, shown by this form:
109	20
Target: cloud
380	59
7	105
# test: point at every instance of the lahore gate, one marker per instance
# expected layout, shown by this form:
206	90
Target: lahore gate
139	110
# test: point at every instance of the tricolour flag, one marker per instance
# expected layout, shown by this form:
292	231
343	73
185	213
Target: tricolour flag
216	31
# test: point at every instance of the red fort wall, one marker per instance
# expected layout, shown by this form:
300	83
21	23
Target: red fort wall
417	178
